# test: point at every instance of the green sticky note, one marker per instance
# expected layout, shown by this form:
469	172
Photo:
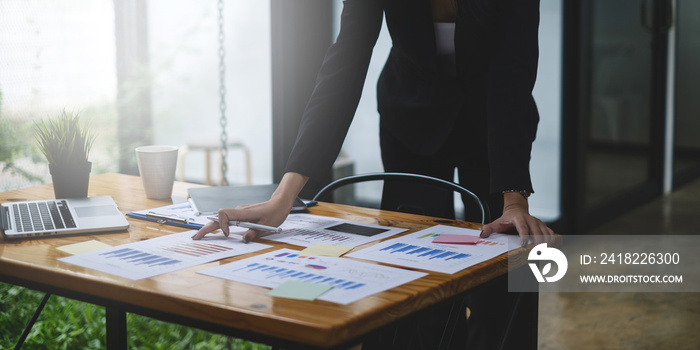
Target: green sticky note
325	250
299	290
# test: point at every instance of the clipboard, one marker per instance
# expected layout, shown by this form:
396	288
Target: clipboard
179	214
163	219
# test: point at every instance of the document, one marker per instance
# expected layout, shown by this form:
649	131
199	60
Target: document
417	250
351	280
162	254
306	230
179	214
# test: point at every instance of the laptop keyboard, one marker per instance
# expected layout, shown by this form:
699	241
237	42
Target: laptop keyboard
40	216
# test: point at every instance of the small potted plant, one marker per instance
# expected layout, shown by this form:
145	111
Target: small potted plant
66	146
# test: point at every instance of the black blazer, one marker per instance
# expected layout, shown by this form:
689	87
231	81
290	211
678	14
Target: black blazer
496	43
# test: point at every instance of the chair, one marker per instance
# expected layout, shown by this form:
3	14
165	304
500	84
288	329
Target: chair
438	183
208	148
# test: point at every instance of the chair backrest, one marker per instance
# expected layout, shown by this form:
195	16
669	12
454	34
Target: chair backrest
440	183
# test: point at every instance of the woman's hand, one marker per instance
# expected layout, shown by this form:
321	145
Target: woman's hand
271	213
517	217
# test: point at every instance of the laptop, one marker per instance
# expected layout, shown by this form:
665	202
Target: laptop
58	217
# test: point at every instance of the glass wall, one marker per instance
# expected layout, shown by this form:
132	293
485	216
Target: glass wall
183	45
545	166
67	54
686	158
55	55
619	140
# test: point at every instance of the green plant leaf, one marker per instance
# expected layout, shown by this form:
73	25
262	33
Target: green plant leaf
62	140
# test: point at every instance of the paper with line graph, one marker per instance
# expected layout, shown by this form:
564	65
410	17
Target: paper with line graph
417	250
162	254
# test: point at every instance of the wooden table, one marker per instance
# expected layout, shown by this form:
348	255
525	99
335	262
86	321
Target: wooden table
219	305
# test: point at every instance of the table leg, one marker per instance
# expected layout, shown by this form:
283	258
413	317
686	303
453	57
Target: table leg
116	328
31	322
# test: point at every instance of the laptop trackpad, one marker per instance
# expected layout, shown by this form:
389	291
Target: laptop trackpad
98	210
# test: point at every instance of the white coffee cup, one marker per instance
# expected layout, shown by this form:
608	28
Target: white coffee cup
157	168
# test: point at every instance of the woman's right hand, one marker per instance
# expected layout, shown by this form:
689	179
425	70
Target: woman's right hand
271	213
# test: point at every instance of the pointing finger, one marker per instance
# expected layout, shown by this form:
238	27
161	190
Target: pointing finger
211	226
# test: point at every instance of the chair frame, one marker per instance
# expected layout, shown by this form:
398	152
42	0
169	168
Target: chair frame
483	206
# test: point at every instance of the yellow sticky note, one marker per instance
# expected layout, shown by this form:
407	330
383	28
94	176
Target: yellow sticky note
325	250
83	247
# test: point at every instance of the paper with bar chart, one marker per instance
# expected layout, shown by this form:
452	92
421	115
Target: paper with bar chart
417	250
306	230
162	254
351	280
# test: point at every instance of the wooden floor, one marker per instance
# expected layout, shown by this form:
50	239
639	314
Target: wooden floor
630	320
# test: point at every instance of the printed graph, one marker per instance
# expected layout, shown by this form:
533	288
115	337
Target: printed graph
351	280
489	243
317	236
160	255
279	274
424	252
417	249
306	230
137	257
197	249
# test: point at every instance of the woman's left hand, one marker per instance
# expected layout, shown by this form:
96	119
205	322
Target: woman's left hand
516	217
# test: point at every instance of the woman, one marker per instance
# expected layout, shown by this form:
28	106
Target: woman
456	92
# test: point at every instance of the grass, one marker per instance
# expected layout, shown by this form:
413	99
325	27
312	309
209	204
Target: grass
70	324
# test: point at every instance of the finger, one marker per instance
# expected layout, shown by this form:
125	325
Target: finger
251	235
537	234
549	234
542	233
486	231
523	231
496	226
211	226
223	222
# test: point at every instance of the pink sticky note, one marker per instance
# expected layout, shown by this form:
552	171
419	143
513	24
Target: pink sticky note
457	239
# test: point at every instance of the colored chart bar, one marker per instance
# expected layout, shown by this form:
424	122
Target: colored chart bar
274	272
140	258
317	235
424	252
196	249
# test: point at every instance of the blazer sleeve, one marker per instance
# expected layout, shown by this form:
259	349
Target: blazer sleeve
512	113
339	84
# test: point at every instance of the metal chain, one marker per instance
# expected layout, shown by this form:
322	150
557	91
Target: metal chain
222	95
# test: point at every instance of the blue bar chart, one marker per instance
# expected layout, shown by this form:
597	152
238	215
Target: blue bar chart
350	280
424	252
417	250
280	274
136	257
318	236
